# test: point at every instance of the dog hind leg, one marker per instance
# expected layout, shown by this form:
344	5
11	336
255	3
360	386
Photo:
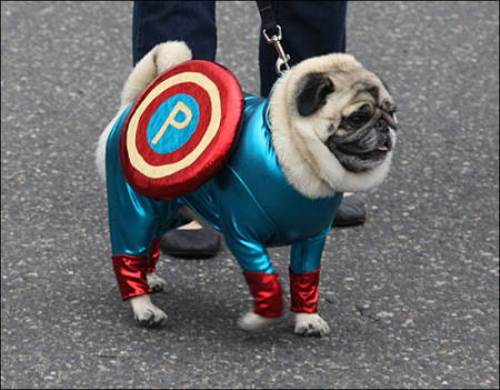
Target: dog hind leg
155	282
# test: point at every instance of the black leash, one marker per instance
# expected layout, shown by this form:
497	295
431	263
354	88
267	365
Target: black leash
272	33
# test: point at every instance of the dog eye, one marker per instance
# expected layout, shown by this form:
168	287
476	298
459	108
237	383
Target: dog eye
358	118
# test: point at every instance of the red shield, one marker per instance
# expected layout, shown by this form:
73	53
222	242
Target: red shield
181	129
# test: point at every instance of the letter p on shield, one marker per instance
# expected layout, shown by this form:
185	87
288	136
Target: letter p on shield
179	107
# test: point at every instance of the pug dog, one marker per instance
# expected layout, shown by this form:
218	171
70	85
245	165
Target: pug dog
328	127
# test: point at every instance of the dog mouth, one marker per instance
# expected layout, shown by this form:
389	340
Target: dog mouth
380	150
358	157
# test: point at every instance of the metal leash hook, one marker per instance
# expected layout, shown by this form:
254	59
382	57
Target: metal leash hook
283	58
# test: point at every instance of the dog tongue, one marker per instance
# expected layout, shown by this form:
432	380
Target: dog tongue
382	148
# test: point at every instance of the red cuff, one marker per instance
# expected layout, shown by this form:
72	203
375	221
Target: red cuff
130	273
267	293
154	255
304	292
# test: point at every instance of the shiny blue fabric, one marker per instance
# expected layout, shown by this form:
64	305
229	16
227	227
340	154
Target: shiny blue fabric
250	201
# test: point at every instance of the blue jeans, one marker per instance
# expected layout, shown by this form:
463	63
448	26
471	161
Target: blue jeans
310	28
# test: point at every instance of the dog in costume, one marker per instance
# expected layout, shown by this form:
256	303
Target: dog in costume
328	127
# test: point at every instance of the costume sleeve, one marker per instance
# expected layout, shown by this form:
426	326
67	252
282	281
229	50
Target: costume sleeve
245	239
261	277
250	254
305	255
245	224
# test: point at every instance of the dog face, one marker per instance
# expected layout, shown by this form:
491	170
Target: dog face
361	134
341	121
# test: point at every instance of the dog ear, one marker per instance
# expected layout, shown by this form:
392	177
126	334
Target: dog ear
313	95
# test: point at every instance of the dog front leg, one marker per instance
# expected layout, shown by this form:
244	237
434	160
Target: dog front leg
268	300
305	266
304	296
262	280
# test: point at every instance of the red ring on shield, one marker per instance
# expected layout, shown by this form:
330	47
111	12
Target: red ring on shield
169	175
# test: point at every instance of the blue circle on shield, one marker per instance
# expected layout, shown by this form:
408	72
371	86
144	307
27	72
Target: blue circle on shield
173	123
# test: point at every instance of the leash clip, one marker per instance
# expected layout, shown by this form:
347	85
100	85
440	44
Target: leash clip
283	58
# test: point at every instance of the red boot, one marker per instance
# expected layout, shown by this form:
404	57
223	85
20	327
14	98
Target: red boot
304	292
267	293
130	272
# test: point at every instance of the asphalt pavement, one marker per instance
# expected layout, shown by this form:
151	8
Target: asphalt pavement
412	297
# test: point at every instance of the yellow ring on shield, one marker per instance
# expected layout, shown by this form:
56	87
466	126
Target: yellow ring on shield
156	172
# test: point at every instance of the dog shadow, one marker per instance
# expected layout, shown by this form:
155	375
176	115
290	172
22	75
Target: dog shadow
199	313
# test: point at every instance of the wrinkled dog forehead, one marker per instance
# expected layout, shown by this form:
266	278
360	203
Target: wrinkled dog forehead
327	65
338	80
362	85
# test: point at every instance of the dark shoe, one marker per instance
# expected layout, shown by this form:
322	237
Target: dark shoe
351	212
191	244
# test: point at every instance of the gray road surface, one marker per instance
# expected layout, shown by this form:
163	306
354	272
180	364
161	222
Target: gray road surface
412	297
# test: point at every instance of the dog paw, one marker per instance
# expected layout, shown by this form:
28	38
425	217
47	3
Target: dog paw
145	313
253	322
156	283
310	325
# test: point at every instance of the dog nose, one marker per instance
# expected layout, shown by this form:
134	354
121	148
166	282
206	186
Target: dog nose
382	126
388	106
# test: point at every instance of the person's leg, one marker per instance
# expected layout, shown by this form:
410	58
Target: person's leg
310	28
194	23
190	21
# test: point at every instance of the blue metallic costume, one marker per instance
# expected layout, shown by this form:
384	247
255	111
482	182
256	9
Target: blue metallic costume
250	201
